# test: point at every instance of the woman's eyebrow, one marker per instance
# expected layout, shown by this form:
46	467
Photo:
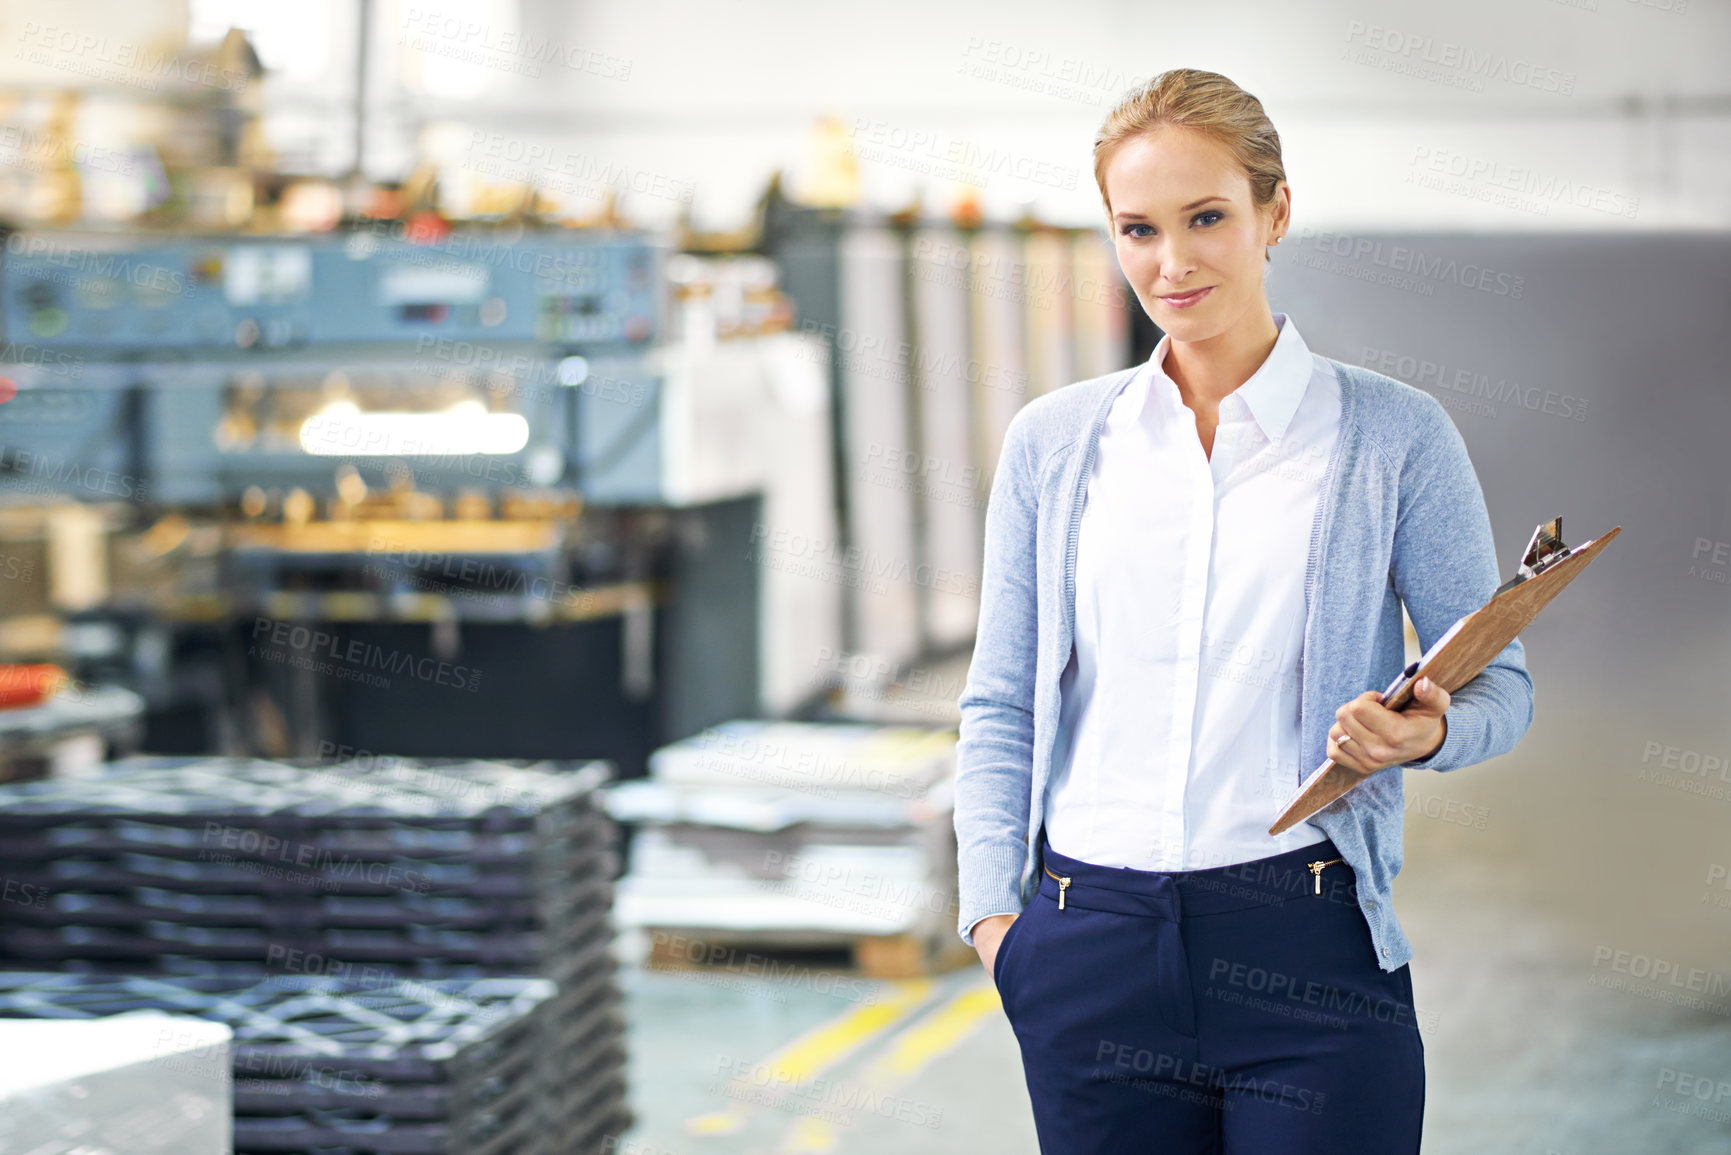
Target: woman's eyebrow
1185	209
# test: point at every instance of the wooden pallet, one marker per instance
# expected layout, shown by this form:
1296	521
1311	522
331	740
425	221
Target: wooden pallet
895	956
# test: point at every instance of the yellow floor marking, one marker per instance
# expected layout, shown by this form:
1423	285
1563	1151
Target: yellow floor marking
818	1049
816	1136
912	1051
941	1031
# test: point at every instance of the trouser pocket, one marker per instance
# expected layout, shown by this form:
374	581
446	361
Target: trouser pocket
1076	978
1007	950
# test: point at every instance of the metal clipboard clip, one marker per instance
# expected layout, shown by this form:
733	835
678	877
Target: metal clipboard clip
1543	551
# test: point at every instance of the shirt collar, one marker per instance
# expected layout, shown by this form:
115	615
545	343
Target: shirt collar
1272	393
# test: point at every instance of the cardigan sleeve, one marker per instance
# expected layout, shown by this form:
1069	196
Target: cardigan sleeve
1444	567
995	739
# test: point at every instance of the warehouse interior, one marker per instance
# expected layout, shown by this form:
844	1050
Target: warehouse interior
492	509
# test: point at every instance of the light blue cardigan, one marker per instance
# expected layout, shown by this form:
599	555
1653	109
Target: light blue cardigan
1401	520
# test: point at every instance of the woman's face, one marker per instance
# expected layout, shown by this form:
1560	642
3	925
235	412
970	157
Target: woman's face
1182	221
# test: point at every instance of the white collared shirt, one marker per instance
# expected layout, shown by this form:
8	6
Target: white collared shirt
1179	734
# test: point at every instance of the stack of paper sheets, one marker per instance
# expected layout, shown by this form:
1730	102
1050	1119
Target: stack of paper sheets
796	830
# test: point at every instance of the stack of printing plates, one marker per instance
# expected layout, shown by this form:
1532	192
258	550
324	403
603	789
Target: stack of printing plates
320	1064
793	833
374	873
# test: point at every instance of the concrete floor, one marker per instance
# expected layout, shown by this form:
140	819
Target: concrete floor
1522	879
1523	1055
927	1068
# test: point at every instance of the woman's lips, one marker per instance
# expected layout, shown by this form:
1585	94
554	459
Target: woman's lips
1189	299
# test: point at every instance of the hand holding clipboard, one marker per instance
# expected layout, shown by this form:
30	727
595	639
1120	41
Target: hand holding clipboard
1467	648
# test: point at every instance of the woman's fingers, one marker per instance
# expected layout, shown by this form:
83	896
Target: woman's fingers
1375	750
1371	737
1346	755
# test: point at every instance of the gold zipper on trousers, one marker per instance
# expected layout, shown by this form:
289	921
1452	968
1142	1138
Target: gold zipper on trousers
1316	869
1063	885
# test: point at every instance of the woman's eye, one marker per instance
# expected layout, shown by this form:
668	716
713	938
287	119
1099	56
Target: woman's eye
1206	217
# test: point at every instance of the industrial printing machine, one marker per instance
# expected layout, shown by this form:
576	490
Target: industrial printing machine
407	543
374	525
451	474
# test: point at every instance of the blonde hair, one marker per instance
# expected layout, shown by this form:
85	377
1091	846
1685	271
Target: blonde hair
1205	102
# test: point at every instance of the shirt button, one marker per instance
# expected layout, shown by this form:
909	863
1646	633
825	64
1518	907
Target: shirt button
1370	903
1387	951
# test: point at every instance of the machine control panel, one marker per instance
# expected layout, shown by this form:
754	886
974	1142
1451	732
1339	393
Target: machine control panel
220	296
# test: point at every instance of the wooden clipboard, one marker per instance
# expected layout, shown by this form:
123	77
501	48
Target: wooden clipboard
1467	648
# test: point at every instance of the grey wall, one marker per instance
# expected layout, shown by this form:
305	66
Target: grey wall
1627	336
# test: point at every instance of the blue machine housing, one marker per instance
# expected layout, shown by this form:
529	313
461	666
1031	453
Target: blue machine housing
104	296
123	350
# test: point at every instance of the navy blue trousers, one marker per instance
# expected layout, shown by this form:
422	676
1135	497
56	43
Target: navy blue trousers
1230	1011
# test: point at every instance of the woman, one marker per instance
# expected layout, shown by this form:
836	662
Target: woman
1194	569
